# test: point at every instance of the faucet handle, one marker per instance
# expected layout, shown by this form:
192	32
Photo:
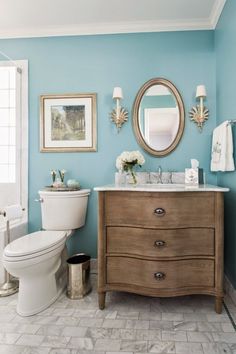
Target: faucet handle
170	175
148	177
159	174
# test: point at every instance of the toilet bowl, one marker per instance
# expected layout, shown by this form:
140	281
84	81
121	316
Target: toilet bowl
35	263
36	259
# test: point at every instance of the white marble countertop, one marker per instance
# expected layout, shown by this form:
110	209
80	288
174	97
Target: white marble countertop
161	188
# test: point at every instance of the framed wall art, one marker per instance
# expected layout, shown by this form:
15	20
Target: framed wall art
68	123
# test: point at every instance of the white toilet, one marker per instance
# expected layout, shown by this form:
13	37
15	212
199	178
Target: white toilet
37	259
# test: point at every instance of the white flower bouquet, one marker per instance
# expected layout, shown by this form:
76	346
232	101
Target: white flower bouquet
128	160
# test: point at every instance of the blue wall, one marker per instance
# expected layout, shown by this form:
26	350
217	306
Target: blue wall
225	44
97	64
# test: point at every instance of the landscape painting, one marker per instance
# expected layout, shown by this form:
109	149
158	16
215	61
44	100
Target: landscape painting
68	123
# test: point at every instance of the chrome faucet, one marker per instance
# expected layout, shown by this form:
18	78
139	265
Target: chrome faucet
159	175
170	176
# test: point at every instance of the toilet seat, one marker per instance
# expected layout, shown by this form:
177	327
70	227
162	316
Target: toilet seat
34	245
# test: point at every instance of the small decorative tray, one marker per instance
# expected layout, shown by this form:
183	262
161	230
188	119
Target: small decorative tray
61	189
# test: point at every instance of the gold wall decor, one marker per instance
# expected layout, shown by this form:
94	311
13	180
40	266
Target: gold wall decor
200	113
119	115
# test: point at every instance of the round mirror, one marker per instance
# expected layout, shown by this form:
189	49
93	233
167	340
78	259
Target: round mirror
158	117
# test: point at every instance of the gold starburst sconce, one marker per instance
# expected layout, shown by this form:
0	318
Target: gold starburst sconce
199	114
119	115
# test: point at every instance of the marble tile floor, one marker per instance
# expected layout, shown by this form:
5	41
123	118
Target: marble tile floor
130	324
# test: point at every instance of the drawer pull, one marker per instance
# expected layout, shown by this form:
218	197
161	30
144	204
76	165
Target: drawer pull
159	212
159	243
159	276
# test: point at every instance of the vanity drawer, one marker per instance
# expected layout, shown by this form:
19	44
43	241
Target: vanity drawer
160	210
160	243
160	274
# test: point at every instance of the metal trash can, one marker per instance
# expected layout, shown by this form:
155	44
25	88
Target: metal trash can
78	276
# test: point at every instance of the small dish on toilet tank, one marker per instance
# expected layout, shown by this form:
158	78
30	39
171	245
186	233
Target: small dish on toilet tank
73	183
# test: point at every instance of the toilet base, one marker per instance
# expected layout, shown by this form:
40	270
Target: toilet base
42	279
42	294
36	294
41	308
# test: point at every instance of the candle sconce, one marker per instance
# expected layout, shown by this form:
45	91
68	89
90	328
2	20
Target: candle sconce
199	114
119	115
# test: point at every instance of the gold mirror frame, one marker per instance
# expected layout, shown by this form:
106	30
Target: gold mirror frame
136	125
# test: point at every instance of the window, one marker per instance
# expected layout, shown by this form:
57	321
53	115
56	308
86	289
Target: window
13	133
7	124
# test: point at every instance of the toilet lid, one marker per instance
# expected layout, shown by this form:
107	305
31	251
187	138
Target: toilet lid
34	243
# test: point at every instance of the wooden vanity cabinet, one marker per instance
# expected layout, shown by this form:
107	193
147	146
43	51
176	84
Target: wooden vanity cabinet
161	243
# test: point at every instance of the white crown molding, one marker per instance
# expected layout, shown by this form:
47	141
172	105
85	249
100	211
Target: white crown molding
120	27
216	12
108	28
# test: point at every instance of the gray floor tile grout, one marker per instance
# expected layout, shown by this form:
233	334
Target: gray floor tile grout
130	323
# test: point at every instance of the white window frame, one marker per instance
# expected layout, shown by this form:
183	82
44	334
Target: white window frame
21	134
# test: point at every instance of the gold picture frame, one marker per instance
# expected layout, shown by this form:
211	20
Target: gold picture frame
68	123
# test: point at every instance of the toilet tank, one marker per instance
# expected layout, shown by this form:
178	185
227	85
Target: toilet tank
63	210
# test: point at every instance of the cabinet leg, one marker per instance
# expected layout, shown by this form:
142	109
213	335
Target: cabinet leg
101	300
218	304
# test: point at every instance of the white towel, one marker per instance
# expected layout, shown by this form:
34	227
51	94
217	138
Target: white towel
222	148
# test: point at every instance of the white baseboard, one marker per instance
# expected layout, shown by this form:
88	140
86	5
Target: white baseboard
229	289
